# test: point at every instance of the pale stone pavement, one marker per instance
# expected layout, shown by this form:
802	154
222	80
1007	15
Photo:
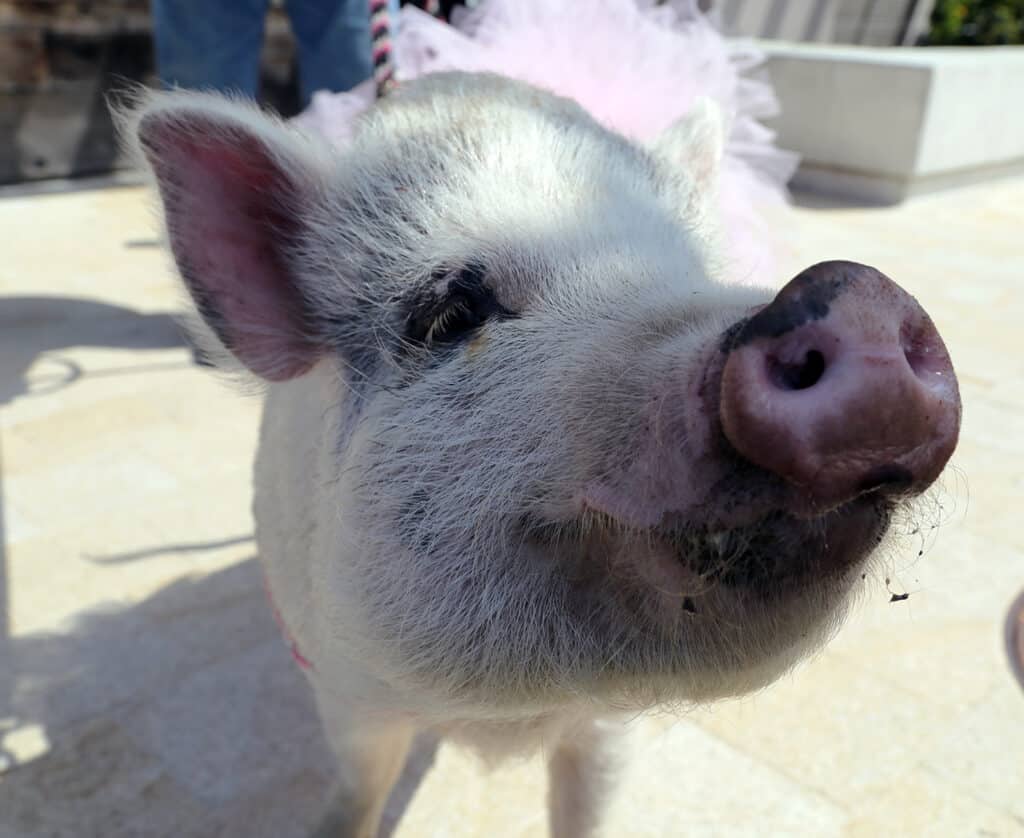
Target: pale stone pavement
144	690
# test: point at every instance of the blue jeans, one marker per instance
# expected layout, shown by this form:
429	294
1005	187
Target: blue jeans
215	44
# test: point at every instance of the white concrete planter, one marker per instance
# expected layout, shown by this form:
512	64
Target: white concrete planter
885	123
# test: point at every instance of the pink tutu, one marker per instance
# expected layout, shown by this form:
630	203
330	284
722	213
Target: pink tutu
635	66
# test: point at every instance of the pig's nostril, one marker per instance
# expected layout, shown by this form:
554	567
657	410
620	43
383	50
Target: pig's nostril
916	356
923	359
887	479
800	375
923	350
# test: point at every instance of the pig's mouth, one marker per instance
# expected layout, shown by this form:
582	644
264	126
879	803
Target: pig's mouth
780	550
775	555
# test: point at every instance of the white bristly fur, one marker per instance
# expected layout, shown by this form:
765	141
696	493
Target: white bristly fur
397	491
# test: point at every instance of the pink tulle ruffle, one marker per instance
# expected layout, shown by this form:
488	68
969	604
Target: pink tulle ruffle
635	66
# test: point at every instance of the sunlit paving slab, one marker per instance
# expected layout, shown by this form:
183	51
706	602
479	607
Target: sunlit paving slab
145	689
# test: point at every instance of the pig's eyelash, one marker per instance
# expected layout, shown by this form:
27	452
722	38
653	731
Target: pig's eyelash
464	303
448	318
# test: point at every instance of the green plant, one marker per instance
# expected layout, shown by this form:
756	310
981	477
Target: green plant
977	23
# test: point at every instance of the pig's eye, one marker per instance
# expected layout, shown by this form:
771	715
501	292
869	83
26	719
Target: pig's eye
459	304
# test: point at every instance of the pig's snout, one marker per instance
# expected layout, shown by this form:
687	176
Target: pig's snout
841	386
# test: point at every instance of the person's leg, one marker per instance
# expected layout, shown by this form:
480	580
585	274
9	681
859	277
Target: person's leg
333	43
209	44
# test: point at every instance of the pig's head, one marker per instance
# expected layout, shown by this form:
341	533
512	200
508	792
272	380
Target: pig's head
570	459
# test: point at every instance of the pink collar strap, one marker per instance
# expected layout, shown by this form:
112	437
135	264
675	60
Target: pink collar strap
300	659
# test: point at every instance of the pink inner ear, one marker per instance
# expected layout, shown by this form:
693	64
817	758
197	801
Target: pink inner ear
227	200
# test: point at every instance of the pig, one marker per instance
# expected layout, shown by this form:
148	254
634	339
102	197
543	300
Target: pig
529	460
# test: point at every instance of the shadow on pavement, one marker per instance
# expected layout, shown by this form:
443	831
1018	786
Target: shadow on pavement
31	326
181	715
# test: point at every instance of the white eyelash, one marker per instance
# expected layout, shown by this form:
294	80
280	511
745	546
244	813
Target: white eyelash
444	319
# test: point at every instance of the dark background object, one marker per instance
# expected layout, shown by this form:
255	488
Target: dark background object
62	60
1015	638
976	23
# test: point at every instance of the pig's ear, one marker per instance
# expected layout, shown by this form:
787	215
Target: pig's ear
235	185
693	148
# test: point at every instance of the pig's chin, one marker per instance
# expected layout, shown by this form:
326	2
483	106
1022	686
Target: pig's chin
714	613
